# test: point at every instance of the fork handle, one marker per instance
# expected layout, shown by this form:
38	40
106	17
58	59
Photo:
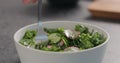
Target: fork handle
40	28
39	10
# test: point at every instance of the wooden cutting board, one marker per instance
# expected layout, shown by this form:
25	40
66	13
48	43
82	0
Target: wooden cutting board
105	8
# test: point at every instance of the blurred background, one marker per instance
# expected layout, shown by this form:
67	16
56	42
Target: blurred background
14	15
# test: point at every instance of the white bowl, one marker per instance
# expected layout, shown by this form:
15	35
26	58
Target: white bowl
29	55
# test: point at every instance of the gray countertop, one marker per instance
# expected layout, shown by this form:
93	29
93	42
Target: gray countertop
14	15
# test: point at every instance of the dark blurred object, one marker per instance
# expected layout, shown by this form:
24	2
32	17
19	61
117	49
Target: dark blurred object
63	3
105	9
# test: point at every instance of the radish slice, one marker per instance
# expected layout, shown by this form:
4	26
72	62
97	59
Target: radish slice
72	49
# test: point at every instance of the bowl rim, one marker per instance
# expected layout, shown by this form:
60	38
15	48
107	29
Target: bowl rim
51	52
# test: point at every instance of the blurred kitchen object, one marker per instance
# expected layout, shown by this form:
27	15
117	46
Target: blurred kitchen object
105	9
62	3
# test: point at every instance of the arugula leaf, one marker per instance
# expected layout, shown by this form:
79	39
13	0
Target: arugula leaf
85	41
81	28
56	30
30	34
97	38
27	39
27	42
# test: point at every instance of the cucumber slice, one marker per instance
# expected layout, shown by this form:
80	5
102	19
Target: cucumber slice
54	37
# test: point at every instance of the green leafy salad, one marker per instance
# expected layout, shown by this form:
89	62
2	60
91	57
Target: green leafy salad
59	41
